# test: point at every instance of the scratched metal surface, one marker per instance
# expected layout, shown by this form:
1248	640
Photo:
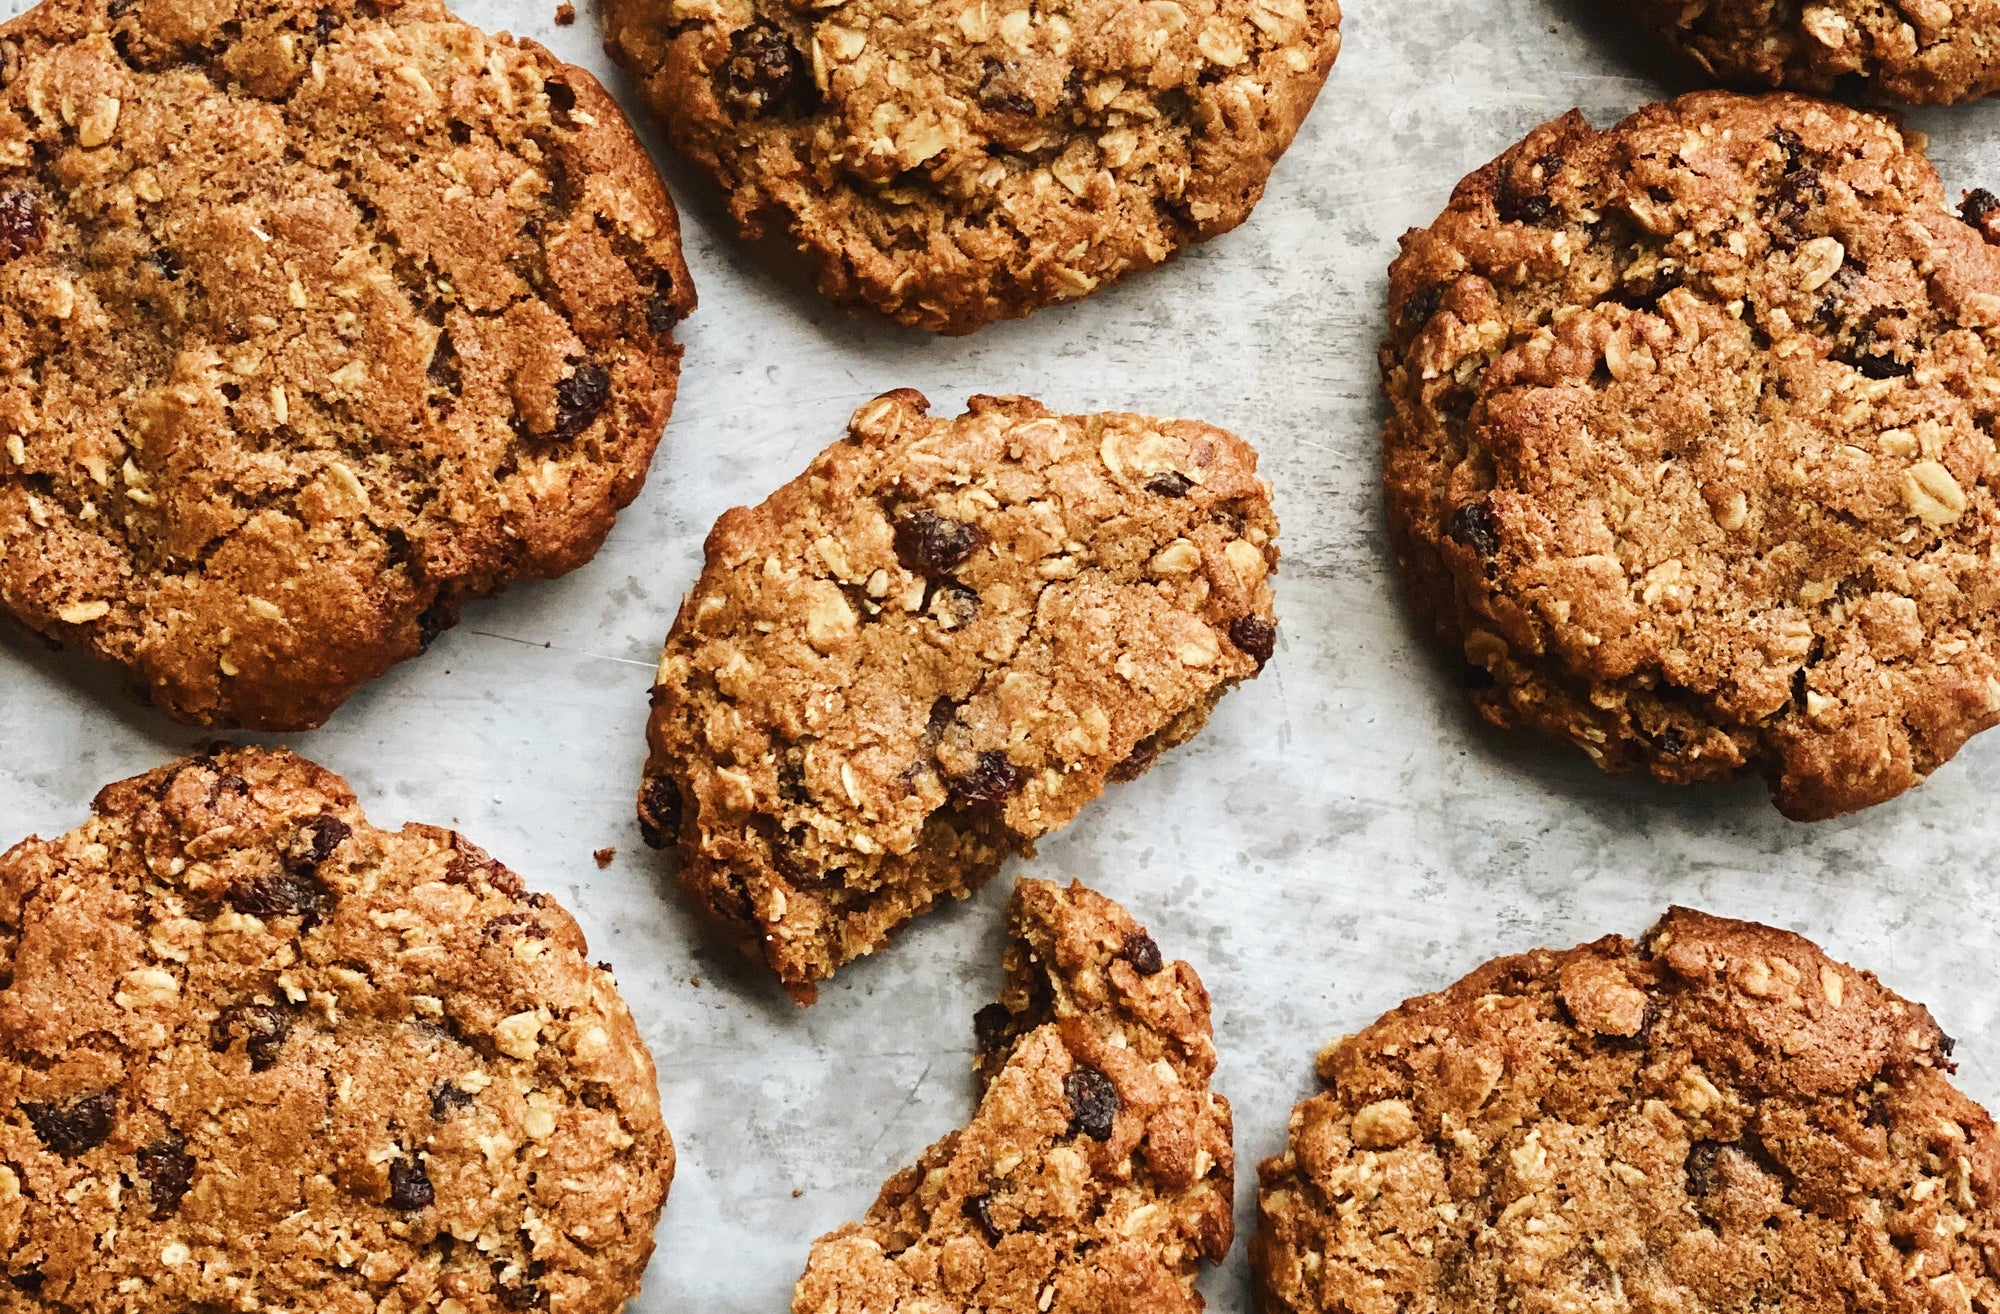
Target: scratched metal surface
1341	837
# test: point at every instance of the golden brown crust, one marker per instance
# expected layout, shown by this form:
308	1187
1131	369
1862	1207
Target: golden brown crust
937	645
314	325
1921	52
1719	1118
955	163
1691	446
285	1058
1096	1175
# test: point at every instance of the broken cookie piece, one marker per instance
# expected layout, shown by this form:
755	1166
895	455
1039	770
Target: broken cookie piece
1717	1119
934	647
247	1033
1096	1174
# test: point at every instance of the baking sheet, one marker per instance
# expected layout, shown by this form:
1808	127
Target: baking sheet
1342	836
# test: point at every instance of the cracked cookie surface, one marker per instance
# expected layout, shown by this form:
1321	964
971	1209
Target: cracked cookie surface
1921	52
955	163
316	320
1719	1118
295	1062
1096	1175
935	646
1691	446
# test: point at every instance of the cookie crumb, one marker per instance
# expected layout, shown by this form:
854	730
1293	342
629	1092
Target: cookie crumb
605	856
796	1193
565	15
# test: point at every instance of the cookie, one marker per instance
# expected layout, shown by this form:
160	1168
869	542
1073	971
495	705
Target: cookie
935	646
1096	1174
1691	452
290	1061
1922	52
317	319
1719	1118
956	163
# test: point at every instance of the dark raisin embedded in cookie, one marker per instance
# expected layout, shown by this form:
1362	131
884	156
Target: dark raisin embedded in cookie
1703	449
950	165
1062	1195
1919	52
352	1074
1009	608
1696	1119
324	319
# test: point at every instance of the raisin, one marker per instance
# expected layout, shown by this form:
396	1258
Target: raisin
282	894
317	840
1532	204
766	73
520	1293
446	1100
1472	525
1257	637
23	225
74	1128
979	1208
931	545
324	24
1795	209
1670	741
167	263
992	780
579	399
953	605
1700	1167
1143	952
168	1170
943	712
1421	307
996	94
1946	1044
992	1028
661	312
1170	483
261	1027
1982	211
1788	142
410	1187
1093	1102
562	96
445	373
659	812
1137	762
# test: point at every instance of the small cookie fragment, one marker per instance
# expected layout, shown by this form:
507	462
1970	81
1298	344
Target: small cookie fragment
245	1032
956	163
934	647
1691	449
320	319
1918	52
1098	1170
1717	1119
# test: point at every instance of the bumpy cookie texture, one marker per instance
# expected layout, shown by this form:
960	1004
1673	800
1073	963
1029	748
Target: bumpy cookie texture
290	1061
316	320
1719	1118
937	645
1098	1171
1924	52
1691	446
955	163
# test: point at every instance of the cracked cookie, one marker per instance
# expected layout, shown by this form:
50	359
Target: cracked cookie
955	163
317	320
1719	1118
1691	448
1922	52
1096	1174
291	1061
935	646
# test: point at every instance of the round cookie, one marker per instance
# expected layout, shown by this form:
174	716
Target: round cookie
318	318
1719	1118
291	1061
955	163
1923	52
1691	446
